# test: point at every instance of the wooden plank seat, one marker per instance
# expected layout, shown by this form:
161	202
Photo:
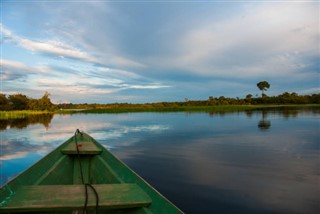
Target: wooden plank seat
62	197
85	148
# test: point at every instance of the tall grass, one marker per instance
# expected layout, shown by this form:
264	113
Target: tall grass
5	115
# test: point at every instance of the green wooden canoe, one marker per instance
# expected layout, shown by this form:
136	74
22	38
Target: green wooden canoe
56	184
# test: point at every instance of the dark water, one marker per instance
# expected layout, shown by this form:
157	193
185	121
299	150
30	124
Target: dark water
245	162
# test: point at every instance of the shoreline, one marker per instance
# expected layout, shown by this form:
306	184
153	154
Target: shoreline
20	114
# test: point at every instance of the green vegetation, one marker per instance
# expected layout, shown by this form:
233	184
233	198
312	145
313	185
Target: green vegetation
22	102
198	105
263	86
208	109
20	106
19	114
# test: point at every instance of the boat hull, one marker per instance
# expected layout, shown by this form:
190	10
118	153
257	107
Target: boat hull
55	184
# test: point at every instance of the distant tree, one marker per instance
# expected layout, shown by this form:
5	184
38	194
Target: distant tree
33	104
4	102
248	98
45	102
18	101
222	98
263	86
314	98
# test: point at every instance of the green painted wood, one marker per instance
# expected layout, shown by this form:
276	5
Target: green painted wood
85	163
85	147
59	164
101	172
62	197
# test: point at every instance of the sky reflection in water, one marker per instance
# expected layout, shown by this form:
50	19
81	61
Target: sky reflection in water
253	162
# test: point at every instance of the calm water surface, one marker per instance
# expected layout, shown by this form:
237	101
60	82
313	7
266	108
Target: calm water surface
245	162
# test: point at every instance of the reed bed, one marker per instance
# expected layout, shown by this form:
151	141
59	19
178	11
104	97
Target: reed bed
5	115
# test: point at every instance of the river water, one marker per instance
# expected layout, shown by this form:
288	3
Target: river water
241	162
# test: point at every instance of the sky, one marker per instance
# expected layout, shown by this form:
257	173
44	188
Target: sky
155	51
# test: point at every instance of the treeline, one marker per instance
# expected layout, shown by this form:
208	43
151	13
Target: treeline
285	98
22	102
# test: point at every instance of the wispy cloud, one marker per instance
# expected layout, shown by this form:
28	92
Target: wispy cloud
74	87
73	83
63	50
85	85
13	70
56	48
14	65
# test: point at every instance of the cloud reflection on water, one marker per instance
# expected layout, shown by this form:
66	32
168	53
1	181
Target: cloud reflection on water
33	139
16	155
36	140
226	157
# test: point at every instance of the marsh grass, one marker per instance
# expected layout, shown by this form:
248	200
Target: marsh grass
5	115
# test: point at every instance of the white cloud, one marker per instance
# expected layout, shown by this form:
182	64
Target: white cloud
118	78
14	65
85	86
13	70
116	73
91	81
56	48
63	50
250	45
48	47
71	86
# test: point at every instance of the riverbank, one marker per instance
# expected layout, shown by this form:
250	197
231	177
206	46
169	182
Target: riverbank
211	109
174	109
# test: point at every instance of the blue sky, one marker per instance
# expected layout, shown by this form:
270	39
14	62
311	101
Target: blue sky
144	51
